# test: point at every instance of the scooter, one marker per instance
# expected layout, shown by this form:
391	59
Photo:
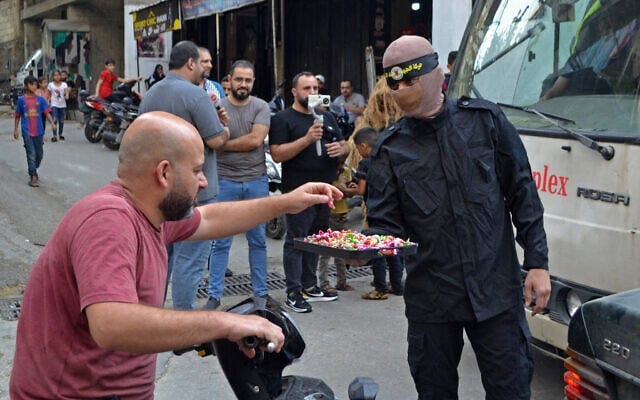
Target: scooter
260	378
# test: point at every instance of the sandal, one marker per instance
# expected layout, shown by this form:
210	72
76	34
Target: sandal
329	289
344	286
398	292
374	295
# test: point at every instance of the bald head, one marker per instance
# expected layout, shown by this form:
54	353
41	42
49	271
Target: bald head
153	137
405	48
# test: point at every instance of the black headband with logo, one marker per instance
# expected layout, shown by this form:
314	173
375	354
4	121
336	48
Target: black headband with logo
410	69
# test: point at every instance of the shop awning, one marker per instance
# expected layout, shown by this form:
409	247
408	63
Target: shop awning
201	8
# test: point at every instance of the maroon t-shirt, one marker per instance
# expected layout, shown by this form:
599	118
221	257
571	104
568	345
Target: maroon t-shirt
104	250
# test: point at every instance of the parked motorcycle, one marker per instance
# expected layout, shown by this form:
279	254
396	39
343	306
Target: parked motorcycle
275	227
94	113
260	378
118	118
107	121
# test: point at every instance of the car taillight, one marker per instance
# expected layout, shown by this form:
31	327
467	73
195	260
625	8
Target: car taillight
583	379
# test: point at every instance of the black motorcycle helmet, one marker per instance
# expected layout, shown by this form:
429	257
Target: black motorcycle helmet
261	378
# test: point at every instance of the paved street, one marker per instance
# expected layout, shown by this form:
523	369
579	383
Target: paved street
345	339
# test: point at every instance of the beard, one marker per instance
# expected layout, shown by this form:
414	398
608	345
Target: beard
304	102
240	96
177	205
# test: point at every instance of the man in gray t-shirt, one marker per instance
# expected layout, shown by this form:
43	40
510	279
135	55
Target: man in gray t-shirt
242	175
179	95
352	102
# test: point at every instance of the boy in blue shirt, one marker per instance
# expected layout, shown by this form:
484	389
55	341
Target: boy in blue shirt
30	109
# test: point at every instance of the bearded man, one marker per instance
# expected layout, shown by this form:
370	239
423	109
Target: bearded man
242	174
453	175
92	317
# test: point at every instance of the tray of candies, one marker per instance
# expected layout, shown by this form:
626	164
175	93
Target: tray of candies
354	245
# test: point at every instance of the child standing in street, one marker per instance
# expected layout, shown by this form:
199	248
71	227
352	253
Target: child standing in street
59	95
29	109
337	222
364	139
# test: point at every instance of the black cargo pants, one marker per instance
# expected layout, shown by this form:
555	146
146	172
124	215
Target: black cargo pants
501	346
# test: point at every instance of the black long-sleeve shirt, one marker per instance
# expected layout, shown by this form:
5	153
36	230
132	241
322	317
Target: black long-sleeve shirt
454	185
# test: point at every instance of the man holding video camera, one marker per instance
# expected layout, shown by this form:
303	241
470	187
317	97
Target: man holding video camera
309	150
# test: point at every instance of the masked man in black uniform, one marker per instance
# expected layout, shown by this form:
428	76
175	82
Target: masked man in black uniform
453	176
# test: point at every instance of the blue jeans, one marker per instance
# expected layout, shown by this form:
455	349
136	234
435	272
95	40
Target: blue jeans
187	261
35	152
58	114
256	237
300	266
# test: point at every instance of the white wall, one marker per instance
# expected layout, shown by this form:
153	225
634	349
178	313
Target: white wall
449	22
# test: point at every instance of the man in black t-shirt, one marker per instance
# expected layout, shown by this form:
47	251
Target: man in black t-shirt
292	141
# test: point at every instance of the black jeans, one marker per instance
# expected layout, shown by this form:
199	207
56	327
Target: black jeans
300	266
501	346
379	269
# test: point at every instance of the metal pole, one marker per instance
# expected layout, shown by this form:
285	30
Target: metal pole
218	46
275	50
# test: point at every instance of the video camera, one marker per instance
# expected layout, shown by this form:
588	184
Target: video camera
319	100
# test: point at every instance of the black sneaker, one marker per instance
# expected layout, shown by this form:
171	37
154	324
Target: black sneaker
228	273
316	294
54	139
212	304
297	303
61	138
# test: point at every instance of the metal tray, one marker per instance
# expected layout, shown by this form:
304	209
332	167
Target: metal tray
300	244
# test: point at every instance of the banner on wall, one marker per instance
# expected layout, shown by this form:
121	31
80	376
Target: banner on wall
202	8
154	20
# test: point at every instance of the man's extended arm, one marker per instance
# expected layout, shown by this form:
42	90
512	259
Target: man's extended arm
240	216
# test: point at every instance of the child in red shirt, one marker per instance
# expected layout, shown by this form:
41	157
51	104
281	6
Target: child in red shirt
30	109
104	88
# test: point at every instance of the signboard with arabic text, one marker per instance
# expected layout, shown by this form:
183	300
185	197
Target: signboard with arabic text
156	19
201	8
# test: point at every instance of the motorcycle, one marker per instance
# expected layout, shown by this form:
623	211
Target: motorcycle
111	118
118	118
260	378
275	227
94	113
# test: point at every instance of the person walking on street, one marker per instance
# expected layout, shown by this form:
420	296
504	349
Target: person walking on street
59	95
91	322
292	141
44	92
178	94
28	120
453	175
242	175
